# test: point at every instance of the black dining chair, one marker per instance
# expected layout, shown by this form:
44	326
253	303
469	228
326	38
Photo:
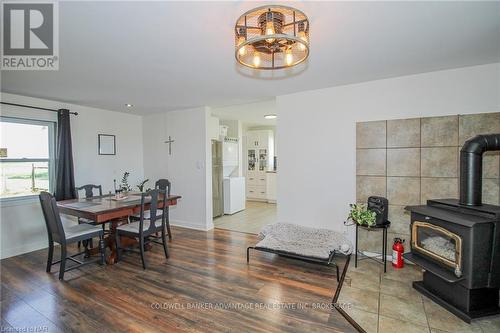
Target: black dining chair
163	185
89	194
89	190
145	230
66	235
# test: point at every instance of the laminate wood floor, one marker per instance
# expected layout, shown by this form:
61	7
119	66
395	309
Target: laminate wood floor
205	286
251	220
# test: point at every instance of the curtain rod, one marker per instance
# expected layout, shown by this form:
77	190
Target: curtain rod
35	107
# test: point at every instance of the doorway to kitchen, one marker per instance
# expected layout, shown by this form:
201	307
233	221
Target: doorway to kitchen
249	167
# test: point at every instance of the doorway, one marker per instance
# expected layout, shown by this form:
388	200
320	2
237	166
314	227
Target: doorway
249	167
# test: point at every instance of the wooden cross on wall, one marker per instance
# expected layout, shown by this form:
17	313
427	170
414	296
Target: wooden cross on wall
170	141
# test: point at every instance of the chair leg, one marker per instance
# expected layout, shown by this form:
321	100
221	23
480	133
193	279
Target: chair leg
117	244
102	249
86	246
168	229
62	267
80	242
50	256
164	241
141	245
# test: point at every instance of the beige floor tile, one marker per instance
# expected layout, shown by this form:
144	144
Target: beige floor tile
366	266
490	325
360	299
251	220
397	308
441	319
407	273
390	325
367	320
401	289
364	281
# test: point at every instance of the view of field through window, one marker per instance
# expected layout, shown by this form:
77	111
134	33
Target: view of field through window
24	158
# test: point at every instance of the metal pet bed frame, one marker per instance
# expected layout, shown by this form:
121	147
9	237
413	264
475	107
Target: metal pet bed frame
327	262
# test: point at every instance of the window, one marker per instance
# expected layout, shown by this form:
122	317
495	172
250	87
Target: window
26	157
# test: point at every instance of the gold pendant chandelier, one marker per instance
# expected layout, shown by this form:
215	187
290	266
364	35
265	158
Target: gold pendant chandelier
272	37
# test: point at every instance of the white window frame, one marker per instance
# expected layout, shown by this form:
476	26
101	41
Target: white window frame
51	160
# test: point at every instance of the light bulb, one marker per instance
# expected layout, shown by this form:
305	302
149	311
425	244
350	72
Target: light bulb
289	57
242	50
256	59
302	35
269	31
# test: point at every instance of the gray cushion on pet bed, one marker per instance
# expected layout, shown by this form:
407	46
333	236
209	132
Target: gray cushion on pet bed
304	241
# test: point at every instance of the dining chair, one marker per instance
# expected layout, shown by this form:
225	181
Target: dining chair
89	190
66	235
145	230
163	185
89	194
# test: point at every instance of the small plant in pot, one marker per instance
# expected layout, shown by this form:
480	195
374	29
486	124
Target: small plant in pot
360	214
142	184
125	187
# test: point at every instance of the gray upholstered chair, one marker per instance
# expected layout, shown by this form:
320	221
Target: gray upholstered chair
145	230
64	236
163	185
89	194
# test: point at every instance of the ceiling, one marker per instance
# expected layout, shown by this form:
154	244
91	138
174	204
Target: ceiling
163	56
250	114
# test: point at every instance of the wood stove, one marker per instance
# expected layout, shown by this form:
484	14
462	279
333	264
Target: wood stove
457	242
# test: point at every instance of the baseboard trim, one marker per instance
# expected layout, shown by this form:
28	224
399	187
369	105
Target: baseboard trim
22	249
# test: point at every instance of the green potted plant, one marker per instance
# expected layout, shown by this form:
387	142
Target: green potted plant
140	186
124	185
360	214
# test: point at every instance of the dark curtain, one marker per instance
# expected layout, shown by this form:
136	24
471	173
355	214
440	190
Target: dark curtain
65	175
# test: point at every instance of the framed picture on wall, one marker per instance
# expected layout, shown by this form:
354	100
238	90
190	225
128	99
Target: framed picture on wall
107	144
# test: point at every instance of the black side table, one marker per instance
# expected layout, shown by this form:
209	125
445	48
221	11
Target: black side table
382	227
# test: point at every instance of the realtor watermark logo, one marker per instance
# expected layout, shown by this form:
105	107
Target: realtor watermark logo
30	35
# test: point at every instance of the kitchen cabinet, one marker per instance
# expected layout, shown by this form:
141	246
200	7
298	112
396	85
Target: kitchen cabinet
260	139
260	159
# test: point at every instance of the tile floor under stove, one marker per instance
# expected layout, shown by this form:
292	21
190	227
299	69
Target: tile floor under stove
385	303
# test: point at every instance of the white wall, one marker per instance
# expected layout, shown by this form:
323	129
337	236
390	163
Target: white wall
22	226
189	166
317	133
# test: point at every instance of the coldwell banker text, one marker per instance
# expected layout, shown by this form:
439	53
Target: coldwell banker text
30	38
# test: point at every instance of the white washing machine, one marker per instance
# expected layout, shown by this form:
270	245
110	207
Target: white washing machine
234	194
234	187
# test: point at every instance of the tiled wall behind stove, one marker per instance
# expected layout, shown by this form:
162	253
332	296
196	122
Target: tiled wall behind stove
411	160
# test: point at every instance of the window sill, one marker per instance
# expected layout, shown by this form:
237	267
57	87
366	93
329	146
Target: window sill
19	201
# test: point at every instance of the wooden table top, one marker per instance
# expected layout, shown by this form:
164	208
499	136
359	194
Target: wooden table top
103	208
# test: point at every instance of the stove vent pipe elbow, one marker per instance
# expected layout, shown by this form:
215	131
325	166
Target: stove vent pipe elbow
471	167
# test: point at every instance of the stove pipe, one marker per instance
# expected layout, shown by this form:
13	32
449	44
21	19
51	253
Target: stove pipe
471	167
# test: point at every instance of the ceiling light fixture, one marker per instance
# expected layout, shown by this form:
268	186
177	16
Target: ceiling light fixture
272	37
129	105
270	116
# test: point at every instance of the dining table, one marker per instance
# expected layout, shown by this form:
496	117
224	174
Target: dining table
113	210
